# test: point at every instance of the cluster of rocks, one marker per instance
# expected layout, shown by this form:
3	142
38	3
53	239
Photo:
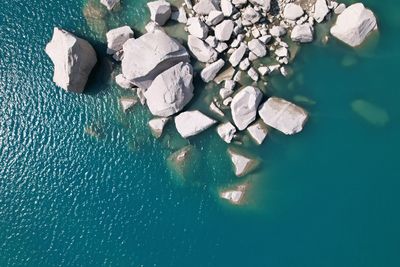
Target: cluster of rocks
228	36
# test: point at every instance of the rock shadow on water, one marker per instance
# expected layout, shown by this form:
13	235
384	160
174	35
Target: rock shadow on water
99	78
370	112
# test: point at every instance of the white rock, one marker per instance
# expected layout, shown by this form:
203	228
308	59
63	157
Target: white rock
303	33
221	47
146	57
127	103
340	8
73	59
216	110
171	90
244	106
258	131
223	31
152	26
283	115
257	47
215	17
197	28
204	7
253	74
245	64
179	15
123	82
242	164
292	11
110	4
226	131
210	72
277	31
237	56
190	123
256	33
140	94
234	196
252	56
251	15
225	93
160	11
230	84
263	70
201	51
157	126
117	37
264	4
227	101
282	52
320	10
227	8
211	41
239	2
354	24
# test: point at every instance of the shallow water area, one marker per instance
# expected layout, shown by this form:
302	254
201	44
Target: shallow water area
84	184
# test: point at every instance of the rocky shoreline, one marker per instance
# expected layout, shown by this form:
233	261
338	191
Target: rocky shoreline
228	37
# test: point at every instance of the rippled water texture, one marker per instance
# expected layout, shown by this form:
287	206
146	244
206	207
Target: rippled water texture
82	184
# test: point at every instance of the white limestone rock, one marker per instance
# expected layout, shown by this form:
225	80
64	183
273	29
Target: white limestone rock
117	37
149	55
340	8
226	131
292	11
244	106
171	90
213	107
210	72
233	196
283	115
258	132
320	10
157	126
251	15
179	15
227	8
223	31
277	31
201	51
73	59
160	11
204	7
253	74
258	48
242	164
190	123
264	4
215	17
127	103
354	25
303	33
123	82
110	4
237	55
282	52
197	28
230	84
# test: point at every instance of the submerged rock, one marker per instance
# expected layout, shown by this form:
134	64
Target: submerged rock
117	37
110	4
148	56
354	24
171	90
73	59
244	106
157	126
184	162
160	11
235	196
370	112
283	115
190	123
242	164
127	103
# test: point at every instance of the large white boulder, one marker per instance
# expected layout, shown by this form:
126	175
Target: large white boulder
146	57
109	4
215	17
171	90
283	115
292	11
242	164
190	123
258	132
227	8
237	55
354	24
258	48
226	131
117	37
197	28
201	50
160	11
73	59
251	15
204	7
210	72
320	10
224	30
157	126
303	33
244	106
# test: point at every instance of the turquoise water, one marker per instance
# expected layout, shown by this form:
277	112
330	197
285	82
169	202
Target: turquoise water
326	197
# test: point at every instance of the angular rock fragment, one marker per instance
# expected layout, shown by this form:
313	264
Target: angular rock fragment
190	123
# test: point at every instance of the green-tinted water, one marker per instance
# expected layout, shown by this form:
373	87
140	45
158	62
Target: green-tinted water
82	184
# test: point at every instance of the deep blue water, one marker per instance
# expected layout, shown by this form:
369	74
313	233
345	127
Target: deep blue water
326	197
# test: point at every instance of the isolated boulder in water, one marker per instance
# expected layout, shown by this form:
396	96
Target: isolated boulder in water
244	106
354	24
110	4
242	164
283	115
160	11
190	123
157	126
117	37
73	59
148	56
171	90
